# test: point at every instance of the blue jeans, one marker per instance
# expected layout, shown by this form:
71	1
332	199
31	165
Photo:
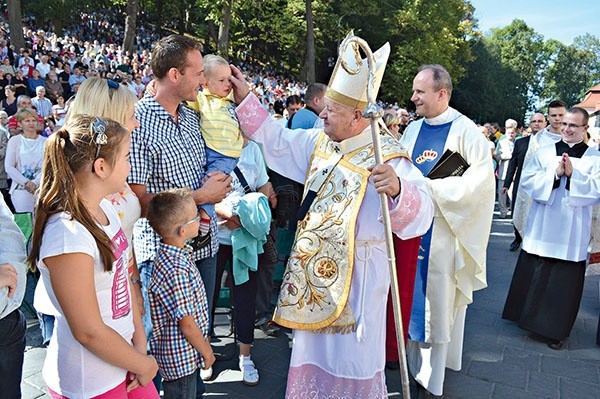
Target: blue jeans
208	272
47	326
12	349
188	387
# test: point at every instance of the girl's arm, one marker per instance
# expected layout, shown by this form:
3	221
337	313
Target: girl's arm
72	279
139	335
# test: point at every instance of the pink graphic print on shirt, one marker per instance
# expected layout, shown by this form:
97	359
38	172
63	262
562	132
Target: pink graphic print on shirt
120	292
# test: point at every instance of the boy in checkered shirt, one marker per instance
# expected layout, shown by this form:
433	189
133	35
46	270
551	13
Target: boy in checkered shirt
178	304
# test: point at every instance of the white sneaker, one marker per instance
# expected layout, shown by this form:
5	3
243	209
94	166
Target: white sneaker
249	371
206	375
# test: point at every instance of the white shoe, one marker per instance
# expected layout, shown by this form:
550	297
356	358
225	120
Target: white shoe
206	375
249	371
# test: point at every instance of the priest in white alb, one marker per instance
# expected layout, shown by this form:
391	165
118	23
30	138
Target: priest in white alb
453	252
563	179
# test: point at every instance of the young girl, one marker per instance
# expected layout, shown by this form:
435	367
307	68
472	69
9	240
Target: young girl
81	252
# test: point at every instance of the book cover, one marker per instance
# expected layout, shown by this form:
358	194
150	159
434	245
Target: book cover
450	164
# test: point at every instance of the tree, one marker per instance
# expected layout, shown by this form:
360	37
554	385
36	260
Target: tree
425	32
523	50
16	26
486	94
131	10
572	69
310	44
223	39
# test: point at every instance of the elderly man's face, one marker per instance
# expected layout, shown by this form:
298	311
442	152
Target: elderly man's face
337	120
26	103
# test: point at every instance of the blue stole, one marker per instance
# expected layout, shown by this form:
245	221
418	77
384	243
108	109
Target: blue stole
429	147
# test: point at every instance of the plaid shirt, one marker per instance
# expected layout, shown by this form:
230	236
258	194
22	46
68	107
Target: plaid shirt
166	155
175	291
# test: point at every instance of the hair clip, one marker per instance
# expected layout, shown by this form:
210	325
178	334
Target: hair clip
100	138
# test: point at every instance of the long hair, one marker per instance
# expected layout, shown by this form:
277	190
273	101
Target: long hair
69	151
97	97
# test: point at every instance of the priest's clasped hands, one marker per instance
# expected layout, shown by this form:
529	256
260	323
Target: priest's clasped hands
565	167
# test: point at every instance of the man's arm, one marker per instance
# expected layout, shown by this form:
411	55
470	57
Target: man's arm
213	190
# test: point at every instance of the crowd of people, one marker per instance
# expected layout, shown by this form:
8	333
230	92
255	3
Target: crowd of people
148	180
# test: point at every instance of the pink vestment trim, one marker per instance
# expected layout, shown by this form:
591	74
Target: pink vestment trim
309	381
251	114
405	208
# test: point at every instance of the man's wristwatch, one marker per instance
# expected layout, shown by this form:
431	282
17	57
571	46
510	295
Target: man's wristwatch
136	281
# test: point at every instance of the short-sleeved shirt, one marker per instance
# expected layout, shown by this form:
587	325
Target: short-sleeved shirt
175	291
166	155
69	368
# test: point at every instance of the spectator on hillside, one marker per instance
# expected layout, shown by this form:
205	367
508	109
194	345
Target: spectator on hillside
76	79
308	117
64	78
41	103
53	87
9	104
43	67
34	82
23	102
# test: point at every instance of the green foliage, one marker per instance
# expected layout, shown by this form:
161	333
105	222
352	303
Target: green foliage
572	69
487	93
426	32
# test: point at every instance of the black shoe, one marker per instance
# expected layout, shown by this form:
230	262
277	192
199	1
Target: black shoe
556	345
392	365
515	245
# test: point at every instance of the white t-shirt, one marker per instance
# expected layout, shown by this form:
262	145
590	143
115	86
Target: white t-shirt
252	165
70	369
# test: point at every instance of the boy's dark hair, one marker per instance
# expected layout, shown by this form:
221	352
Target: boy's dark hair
165	210
557	104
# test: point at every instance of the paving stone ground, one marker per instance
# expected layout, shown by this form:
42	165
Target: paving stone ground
500	361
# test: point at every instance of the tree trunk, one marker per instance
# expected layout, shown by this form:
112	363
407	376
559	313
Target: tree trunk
16	24
310	44
131	10
223	42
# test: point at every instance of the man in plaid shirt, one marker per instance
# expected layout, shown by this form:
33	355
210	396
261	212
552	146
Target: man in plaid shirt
177	298
167	151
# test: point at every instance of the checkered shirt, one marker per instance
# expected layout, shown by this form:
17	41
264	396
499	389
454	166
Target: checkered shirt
175	291
166	155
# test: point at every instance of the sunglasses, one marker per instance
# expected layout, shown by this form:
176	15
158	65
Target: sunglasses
100	138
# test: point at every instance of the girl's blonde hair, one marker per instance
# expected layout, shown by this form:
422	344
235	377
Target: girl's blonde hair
98	96
69	151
